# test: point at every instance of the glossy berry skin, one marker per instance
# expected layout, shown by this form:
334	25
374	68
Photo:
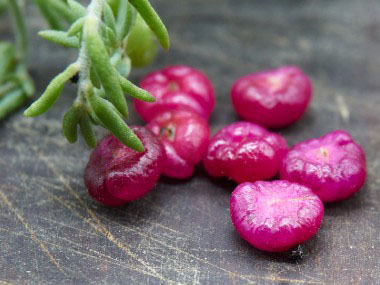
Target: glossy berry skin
333	166
245	152
273	98
185	135
116	174
176	87
275	216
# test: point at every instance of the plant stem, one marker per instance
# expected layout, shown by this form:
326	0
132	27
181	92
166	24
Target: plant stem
20	30
94	11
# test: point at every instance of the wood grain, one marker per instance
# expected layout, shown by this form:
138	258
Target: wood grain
51	232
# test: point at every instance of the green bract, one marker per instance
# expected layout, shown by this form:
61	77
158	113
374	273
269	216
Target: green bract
106	33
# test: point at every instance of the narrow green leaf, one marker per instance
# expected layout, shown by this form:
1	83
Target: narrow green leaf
77	9
94	119
102	94
7	87
109	18
27	84
11	102
106	72
7	62
153	21
70	123
111	37
76	27
50	15
107	114
52	92
3	5
95	78
134	91
60	37
62	9
87	131
125	18
114	4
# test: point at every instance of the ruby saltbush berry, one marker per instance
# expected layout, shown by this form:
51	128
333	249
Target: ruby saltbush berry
185	135
272	98
174	87
245	152
116	174
275	216
333	166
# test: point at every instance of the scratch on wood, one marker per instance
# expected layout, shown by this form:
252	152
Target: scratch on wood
210	263
19	216
69	207
6	282
98	225
299	281
108	258
68	226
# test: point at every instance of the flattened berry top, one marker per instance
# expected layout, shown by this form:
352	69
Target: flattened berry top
174	87
245	152
273	98
275	216
333	166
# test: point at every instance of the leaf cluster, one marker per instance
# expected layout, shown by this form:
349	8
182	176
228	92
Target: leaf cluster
100	34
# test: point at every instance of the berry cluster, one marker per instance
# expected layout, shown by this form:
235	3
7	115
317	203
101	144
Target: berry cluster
272	215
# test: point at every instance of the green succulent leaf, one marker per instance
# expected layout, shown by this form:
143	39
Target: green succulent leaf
11	102
150	16
50	15
134	91
52	92
8	58
70	124
111	37
125	19
77	9
109	18
3	5
62	9
87	131
76	27
60	37
107	74
95	78
108	115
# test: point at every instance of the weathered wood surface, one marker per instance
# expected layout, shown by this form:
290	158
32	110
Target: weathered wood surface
52	232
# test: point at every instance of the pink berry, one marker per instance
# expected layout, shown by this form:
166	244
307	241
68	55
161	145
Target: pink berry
245	152
333	166
275	216
185	136
273	98
176	87
116	174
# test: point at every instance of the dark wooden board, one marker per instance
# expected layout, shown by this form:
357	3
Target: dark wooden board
51	231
